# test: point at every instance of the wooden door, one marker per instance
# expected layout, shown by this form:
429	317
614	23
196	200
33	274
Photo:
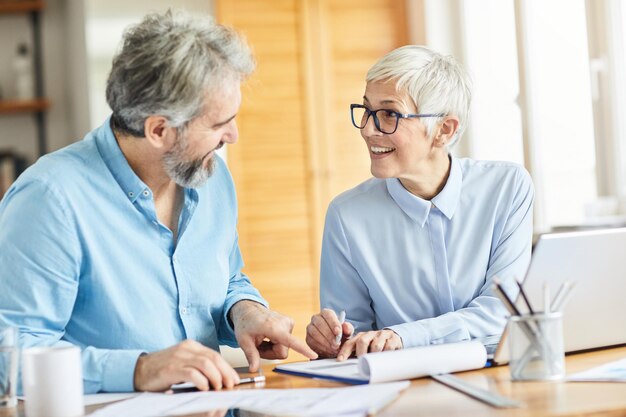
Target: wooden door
297	146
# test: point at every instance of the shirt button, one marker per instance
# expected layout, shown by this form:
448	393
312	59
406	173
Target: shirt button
131	194
146	193
183	310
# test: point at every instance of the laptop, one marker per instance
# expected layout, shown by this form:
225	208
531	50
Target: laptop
595	261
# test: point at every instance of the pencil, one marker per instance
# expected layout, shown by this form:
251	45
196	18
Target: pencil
561	298
546	298
505	298
521	291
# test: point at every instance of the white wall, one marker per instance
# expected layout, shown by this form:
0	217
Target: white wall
444	33
64	77
105	22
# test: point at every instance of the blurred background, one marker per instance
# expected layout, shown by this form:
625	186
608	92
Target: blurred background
549	90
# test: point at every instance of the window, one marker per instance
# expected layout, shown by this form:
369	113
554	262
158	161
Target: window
495	122
558	109
549	84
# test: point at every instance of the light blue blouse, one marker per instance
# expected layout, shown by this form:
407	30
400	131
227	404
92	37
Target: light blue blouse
425	269
85	261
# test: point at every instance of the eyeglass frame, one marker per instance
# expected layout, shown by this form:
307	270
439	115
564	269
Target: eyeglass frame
377	122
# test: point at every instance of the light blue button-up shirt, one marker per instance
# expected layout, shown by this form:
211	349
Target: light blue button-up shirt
85	261
425	269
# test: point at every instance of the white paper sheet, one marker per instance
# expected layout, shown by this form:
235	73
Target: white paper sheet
396	365
609	372
107	397
422	361
103	398
345	371
309	402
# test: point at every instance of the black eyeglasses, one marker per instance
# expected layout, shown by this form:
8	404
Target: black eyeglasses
385	120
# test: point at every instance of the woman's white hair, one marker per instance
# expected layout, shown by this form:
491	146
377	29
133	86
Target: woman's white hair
437	84
167	64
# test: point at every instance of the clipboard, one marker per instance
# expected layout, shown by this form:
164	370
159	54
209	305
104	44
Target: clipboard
396	365
346	371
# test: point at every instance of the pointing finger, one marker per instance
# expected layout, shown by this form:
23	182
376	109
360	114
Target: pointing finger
294	343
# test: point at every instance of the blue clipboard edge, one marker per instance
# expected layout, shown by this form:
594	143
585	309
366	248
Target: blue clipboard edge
351	381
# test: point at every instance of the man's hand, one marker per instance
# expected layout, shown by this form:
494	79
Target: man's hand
373	341
322	332
188	361
263	333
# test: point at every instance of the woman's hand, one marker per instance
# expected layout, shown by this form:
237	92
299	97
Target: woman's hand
323	331
372	341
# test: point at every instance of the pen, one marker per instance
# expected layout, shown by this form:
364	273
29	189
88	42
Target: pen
505	298
528	330
532	334
562	296
521	290
546	298
342	319
186	387
259	378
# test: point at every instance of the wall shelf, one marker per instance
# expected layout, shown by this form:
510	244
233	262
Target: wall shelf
39	104
23	106
15	6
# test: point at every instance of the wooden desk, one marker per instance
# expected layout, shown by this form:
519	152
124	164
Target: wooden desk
426	397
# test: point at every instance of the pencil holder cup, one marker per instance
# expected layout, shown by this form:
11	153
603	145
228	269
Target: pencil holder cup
536	343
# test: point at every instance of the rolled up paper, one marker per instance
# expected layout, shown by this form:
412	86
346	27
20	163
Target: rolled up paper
422	361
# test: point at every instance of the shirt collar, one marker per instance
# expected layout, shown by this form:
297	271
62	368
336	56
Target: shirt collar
448	199
417	208
115	160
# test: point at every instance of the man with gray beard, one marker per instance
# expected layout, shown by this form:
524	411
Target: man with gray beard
125	243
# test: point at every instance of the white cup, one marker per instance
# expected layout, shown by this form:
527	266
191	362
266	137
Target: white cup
8	367
53	382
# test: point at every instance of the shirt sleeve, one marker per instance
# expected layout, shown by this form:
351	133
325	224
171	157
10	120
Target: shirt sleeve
239	288
485	315
338	277
40	257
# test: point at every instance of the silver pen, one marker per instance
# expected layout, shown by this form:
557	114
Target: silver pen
189	387
259	378
342	319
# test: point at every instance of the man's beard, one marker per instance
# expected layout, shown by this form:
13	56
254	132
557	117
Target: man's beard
188	174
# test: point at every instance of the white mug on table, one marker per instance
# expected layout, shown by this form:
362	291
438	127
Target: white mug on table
53	382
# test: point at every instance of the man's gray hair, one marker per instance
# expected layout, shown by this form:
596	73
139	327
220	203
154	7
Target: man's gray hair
167	64
437	84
